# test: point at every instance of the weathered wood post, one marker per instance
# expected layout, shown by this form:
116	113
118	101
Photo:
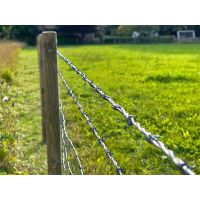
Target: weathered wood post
40	63
49	83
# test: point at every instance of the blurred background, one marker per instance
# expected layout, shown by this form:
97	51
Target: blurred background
103	34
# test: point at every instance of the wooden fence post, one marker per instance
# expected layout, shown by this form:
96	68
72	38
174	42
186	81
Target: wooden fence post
40	63
49	81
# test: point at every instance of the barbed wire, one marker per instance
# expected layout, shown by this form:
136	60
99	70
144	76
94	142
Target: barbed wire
64	144
65	138
152	139
101	141
64	150
65	161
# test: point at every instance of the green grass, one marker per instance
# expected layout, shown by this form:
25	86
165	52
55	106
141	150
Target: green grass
30	152
8	56
159	84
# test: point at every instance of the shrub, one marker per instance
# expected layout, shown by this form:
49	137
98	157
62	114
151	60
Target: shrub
67	39
7	75
7	144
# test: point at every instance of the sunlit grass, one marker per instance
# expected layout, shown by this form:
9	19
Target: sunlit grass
158	84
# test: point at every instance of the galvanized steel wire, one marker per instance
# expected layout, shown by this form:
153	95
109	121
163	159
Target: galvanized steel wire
100	140
152	139
65	140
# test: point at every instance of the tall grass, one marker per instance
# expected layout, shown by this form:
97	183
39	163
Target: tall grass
8	53
8	62
8	58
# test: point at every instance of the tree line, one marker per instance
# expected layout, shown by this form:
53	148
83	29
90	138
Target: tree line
28	33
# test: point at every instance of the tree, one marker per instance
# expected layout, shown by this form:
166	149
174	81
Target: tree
144	30
5	32
25	33
110	29
83	29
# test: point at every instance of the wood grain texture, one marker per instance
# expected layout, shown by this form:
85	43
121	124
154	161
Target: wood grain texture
40	63
51	119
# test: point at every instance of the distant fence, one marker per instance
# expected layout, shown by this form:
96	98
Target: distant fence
69	40
54	132
139	40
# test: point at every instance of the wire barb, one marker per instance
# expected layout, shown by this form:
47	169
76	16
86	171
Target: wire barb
90	123
130	120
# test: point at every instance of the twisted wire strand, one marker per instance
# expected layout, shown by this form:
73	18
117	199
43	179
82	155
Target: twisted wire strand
152	139
101	141
66	138
65	161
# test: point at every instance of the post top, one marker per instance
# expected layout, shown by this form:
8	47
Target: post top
49	32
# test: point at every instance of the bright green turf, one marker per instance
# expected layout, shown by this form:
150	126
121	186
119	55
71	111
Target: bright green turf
159	84
30	152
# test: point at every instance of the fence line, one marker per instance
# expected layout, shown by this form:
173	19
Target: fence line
53	120
65	162
152	139
118	169
64	138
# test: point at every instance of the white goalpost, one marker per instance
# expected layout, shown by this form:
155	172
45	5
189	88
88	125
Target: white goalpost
186	35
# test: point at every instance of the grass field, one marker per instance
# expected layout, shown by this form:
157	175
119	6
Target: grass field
159	84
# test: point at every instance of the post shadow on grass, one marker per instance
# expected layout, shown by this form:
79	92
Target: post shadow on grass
167	78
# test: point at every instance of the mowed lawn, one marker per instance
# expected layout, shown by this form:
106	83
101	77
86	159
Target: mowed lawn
158	84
